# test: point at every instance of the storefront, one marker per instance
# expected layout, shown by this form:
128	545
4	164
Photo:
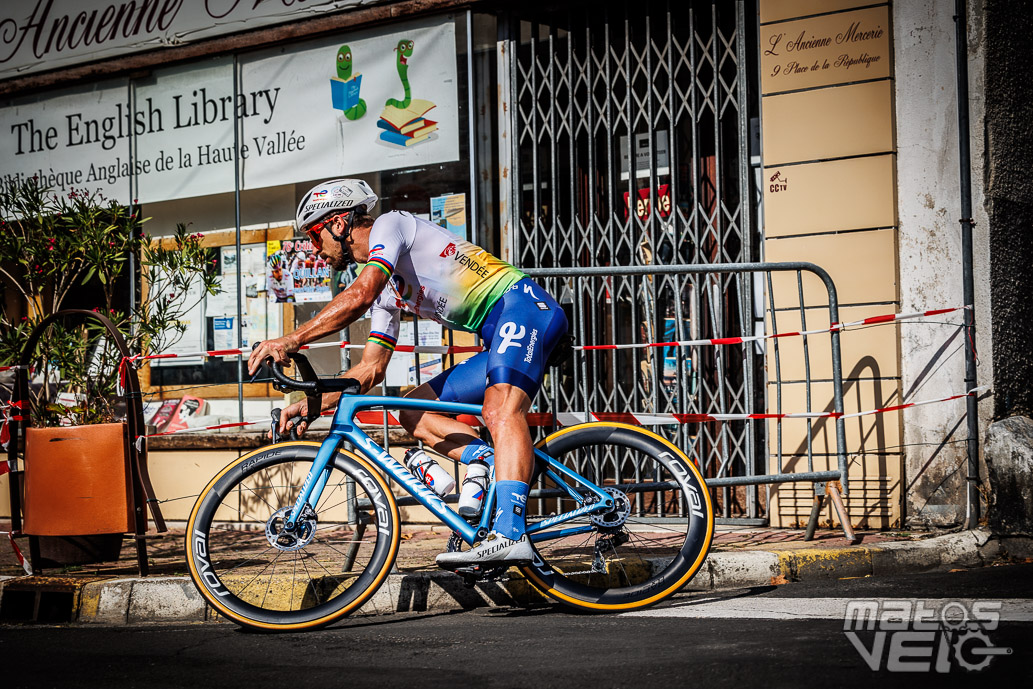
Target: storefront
228	142
388	103
576	136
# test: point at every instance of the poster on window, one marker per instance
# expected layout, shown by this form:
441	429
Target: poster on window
356	102
449	211
297	273
402	369
192	339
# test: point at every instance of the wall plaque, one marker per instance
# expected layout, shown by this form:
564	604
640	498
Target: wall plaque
825	50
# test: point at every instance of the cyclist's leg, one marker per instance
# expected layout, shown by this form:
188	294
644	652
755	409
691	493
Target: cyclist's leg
505	415
521	332
442	432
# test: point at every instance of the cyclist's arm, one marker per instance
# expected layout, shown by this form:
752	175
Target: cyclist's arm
371	368
369	372
342	310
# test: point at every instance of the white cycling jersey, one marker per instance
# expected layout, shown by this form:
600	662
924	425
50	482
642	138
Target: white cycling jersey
433	274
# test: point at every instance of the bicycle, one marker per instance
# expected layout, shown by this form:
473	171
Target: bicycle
299	534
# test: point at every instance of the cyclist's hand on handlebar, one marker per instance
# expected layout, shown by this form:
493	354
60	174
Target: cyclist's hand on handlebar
294	410
277	350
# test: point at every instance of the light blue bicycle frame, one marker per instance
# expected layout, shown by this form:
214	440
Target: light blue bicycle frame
343	428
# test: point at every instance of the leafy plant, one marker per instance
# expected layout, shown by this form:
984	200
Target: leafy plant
52	244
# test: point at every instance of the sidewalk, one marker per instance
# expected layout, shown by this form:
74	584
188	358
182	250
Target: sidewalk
114	593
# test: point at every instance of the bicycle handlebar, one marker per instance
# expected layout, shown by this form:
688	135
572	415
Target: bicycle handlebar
312	385
310	382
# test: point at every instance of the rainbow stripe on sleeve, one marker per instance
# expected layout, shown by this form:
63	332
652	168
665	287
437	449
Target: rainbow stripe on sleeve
382	264
382	339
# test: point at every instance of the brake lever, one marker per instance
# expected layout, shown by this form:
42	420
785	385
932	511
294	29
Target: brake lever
276	424
292	426
294	422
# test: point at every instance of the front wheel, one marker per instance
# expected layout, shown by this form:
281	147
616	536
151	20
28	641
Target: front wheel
648	547
256	573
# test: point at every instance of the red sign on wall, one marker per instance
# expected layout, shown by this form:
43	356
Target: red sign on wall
642	203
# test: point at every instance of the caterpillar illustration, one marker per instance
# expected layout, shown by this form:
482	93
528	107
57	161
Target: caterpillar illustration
404	50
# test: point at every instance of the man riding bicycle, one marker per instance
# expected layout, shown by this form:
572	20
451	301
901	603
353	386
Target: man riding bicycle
416	266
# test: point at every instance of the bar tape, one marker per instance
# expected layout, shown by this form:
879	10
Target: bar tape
378	418
717	341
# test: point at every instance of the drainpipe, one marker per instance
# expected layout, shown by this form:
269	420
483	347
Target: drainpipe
965	161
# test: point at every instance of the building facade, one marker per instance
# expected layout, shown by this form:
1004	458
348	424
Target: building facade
591	136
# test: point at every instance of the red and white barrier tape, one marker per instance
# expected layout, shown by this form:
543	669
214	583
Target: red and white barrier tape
343	344
5	417
718	341
376	418
26	566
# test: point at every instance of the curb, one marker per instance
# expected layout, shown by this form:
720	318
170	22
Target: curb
174	599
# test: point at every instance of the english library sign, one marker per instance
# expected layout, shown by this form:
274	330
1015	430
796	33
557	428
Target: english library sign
38	35
171	136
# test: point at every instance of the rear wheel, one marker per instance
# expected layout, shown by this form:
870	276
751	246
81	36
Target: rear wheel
649	546
253	571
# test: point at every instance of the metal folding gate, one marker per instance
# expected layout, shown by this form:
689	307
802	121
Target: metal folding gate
624	142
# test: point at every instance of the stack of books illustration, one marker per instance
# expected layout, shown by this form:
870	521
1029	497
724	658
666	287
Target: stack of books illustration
345	92
407	126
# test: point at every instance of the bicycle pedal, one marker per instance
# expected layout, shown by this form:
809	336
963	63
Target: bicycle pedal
476	574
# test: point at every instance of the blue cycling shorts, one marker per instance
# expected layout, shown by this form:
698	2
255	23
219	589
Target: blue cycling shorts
519	334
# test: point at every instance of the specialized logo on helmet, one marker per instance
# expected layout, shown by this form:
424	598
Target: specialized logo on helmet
450	250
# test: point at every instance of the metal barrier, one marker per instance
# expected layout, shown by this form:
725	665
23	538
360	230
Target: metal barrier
644	304
650	304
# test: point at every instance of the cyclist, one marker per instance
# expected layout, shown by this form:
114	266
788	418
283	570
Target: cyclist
416	266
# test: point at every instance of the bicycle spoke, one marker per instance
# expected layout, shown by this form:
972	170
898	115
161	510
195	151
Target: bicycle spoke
249	560
294	576
269	586
258	574
326	496
315	589
242	485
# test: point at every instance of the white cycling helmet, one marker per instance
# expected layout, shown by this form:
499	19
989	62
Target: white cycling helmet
332	197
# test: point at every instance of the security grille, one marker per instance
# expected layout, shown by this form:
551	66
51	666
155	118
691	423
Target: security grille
627	127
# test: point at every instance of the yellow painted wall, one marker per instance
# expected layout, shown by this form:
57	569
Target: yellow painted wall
830	199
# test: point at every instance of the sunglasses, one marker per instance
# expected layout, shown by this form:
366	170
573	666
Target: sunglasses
315	233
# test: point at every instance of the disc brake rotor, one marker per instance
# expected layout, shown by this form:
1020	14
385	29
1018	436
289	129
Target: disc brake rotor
301	536
618	515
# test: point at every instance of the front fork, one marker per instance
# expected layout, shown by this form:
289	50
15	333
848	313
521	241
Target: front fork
316	481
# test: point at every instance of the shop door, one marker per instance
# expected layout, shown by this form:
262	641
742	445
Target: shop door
624	141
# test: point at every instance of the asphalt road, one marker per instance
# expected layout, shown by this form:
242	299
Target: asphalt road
789	636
